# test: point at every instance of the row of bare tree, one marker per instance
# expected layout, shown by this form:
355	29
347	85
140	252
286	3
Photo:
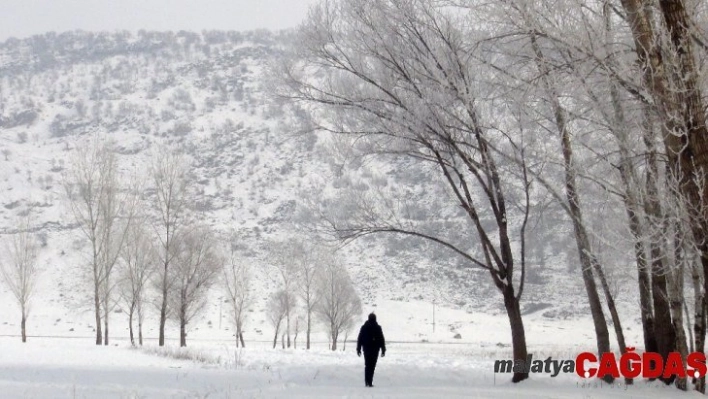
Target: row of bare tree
140	239
144	248
144	242
315	276
514	100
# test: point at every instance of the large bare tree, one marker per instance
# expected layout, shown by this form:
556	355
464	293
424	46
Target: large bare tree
339	305
103	210
196	267
170	180
397	78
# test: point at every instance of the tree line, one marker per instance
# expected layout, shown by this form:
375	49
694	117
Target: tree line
145	247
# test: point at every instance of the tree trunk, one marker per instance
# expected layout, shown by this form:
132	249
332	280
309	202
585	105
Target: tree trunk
664	332
616	322
140	324
287	331
240	336
282	339
334	340
309	315
23	326
163	307
275	337
663	326
518	334
676	301
105	324
629	179
183	325
643	279
238	333
602	335
573	198
130	324
97	306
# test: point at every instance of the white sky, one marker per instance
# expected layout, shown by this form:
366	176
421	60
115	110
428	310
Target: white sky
22	18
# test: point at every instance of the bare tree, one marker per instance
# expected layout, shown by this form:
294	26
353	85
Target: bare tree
276	310
300	260
401	84
237	282
138	264
19	271
169	175
286	270
339	304
98	203
196	267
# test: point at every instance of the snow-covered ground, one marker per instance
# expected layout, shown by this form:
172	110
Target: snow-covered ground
442	367
74	368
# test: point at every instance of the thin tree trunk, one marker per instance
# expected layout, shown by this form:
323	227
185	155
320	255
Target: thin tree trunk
240	336
644	281
334	340
183	324
140	332
309	316
676	301
238	333
130	323
23	326
105	323
616	322
97	306
275	337
140	322
573	198
163	308
629	179
287	331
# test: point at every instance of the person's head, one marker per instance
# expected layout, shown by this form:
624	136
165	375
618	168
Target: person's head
372	317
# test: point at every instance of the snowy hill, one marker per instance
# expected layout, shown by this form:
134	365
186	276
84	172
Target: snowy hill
206	92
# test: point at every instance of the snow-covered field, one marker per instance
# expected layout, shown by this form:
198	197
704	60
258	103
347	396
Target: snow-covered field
443	367
74	368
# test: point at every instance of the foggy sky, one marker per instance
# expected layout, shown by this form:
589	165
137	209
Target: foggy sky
23	18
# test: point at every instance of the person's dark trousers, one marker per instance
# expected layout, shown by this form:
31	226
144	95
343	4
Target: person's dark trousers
370	359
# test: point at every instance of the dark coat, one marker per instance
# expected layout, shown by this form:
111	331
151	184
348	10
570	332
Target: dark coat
371	338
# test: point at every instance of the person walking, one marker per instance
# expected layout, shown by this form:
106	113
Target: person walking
371	339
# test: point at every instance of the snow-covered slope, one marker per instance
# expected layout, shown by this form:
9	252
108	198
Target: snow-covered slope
206	94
